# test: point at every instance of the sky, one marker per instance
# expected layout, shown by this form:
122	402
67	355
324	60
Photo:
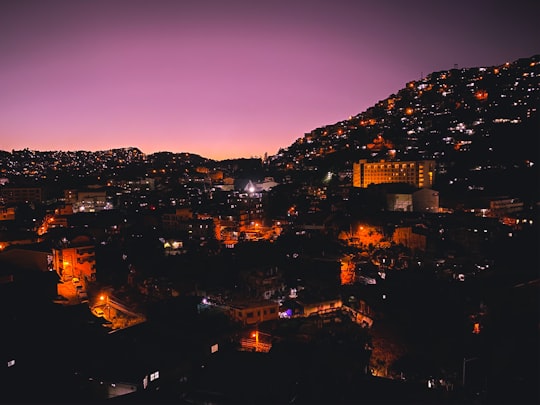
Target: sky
229	79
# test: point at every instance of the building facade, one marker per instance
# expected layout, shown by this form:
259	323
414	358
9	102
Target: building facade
92	201
14	195
76	260
254	312
504	206
399	202
418	173
406	236
425	200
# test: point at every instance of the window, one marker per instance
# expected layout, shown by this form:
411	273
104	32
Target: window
249	315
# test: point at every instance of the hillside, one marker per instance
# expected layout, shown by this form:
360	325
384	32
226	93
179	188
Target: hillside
478	124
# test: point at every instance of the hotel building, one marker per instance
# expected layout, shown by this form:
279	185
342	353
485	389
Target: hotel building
418	173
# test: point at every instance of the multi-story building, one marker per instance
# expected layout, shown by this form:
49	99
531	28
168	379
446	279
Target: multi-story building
265	283
184	221
76	259
504	206
172	220
12	195
418	173
92	201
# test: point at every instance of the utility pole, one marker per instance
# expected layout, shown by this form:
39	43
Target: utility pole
465	361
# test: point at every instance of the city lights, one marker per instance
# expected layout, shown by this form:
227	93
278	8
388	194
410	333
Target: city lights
374	258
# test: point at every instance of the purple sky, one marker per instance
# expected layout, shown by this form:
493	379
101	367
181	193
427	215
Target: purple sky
228	79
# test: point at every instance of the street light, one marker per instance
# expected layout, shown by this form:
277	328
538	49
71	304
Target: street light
105	298
262	345
256	336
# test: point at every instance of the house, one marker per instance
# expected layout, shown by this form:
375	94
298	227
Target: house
253	312
25	195
315	306
75	258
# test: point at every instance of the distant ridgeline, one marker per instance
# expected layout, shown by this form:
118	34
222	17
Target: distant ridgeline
470	121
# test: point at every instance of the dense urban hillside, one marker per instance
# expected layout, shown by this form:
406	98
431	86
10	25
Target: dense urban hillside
480	124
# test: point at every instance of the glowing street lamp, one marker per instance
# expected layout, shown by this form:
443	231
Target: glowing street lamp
256	336
105	300
264	345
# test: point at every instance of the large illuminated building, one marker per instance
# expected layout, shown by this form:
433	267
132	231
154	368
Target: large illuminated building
76	260
418	173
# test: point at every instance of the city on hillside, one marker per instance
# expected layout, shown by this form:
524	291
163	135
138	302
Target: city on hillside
388	258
